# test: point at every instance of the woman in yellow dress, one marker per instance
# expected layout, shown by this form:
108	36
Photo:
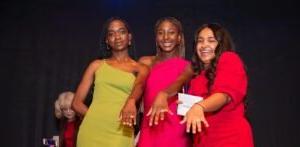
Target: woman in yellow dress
118	79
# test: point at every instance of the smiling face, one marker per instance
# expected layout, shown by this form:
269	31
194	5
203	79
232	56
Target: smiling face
167	36
118	38
206	45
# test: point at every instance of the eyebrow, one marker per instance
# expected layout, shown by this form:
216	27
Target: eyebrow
122	28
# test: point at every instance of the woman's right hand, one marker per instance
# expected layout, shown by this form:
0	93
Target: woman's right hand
128	113
194	119
159	108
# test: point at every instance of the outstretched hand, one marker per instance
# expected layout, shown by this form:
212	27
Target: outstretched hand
194	119
128	113
159	108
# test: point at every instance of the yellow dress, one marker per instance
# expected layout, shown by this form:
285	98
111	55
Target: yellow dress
101	126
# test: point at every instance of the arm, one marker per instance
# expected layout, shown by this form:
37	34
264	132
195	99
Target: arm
129	112
227	91
195	115
160	105
83	88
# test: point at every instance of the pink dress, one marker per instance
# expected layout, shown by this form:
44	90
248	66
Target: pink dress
168	132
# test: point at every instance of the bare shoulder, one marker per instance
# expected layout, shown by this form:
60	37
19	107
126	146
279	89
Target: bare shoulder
147	60
95	64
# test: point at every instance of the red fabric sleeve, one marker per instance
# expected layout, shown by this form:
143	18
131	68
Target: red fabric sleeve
231	79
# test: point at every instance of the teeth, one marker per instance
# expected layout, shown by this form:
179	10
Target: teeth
167	44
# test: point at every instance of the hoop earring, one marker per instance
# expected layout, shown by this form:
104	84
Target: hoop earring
107	47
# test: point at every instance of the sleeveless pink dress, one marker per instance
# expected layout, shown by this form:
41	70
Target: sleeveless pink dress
168	132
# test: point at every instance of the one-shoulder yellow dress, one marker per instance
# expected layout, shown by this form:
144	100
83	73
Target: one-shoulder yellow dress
101	126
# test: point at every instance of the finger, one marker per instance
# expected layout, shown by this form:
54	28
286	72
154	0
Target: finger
124	120
205	123
170	112
134	121
194	127
188	126
121	115
151	118
198	123
156	117
128	120
149	112
183	121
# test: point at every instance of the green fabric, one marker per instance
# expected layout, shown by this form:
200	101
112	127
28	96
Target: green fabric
101	126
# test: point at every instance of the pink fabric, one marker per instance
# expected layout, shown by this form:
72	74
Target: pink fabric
168	132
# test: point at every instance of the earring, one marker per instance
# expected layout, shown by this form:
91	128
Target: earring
107	47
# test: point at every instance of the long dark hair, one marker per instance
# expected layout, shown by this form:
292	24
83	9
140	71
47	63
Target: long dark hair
224	44
104	47
177	24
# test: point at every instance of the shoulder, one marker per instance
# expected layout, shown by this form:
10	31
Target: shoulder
229	56
95	64
230	60
146	60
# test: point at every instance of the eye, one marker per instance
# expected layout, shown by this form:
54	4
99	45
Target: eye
109	34
172	32
212	40
123	31
160	33
200	41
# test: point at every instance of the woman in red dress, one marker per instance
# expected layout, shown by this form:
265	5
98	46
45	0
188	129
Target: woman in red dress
218	120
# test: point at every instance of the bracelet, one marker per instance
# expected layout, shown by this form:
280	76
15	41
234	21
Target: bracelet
199	104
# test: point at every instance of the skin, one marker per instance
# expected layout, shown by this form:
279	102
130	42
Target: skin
118	39
167	39
206	45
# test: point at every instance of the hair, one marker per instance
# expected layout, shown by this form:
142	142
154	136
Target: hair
177	24
64	99
104	47
225	43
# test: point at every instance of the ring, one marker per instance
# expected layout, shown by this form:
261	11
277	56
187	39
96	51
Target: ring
198	121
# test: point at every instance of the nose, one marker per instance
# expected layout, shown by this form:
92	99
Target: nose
166	36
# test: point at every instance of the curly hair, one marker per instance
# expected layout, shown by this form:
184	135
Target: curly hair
224	44
178	25
104	47
64	100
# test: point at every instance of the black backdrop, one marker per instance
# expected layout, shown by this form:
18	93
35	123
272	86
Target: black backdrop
46	45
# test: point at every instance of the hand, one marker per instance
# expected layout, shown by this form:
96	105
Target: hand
193	118
128	113
158	109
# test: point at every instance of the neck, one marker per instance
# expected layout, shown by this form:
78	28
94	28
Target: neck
167	55
120	56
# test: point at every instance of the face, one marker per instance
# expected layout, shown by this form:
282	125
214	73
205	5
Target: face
68	113
206	45
167	36
118	37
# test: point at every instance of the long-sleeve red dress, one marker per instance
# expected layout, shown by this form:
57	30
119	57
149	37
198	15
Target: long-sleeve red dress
228	126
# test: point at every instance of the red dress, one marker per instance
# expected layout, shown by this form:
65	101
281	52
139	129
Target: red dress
69	134
228	126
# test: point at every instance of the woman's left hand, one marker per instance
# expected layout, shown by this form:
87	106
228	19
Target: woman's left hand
194	119
159	108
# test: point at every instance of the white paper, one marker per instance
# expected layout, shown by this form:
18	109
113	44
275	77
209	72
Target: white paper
187	101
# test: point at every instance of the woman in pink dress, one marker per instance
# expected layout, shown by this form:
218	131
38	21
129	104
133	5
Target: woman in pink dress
160	125
218	120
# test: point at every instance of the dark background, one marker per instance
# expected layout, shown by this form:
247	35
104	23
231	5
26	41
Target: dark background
47	44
